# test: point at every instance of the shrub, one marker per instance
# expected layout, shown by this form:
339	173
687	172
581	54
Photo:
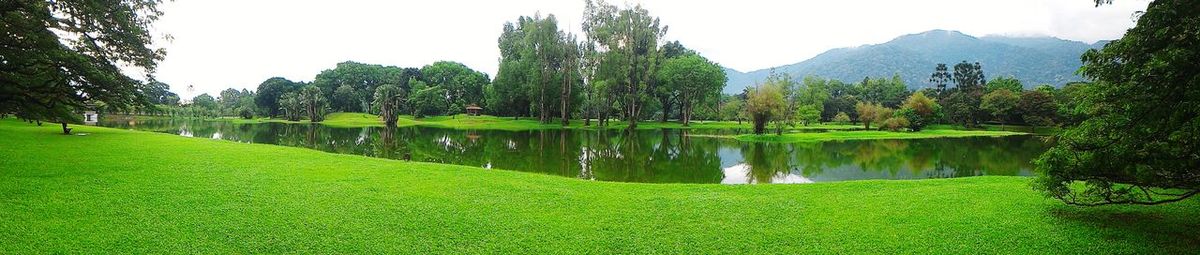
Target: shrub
841	117
894	123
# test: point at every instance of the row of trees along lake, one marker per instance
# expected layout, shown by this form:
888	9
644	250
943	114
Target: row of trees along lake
553	75
1130	137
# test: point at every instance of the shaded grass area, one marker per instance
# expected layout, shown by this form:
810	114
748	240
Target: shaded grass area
119	191
867	135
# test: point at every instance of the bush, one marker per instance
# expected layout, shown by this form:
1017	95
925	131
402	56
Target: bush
841	117
894	123
246	113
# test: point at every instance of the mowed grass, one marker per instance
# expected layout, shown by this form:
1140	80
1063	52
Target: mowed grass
119	191
868	135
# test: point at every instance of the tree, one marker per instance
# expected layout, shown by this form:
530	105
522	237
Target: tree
1036	108
1001	103
886	92
808	114
940	77
388	101
344	99
919	111
159	93
314	103
359	80
695	79
1009	83
245	107
269	94
630	37
764	104
462	85
841	117
733	109
206	102
667	94
290	106
1139	146
60	56
962	104
427	100
872	112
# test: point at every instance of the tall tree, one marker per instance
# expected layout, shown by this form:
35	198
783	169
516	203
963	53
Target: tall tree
963	102
1001	103
920	111
314	102
60	56
668	96
388	101
695	79
1140	144
350	84
462	85
269	94
631	36
764	104
940	77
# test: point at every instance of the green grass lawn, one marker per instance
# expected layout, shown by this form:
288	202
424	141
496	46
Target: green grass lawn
120	191
867	135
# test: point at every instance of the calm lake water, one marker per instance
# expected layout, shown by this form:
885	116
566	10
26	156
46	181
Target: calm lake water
649	156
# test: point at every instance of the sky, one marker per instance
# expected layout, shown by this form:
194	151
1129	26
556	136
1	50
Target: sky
218	44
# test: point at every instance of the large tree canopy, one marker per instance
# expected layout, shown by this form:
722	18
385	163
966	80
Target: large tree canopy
59	56
694	79
1141	142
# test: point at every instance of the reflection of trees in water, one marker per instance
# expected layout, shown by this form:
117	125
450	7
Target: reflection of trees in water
928	158
639	156
766	161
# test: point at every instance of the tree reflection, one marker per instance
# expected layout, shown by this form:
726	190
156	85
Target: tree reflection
658	156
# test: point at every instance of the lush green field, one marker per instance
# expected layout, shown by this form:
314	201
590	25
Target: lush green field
868	135
117	191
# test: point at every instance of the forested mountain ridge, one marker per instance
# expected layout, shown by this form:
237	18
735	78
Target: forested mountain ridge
1033	60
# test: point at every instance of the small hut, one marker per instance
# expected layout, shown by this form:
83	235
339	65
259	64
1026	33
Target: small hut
474	110
90	117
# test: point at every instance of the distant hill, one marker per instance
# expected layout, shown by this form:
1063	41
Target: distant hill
1033	60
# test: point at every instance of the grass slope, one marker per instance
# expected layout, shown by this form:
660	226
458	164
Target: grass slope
118	191
867	135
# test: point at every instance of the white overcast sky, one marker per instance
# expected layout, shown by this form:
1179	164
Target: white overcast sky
239	43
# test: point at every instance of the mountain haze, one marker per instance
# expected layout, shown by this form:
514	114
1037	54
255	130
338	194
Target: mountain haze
1033	60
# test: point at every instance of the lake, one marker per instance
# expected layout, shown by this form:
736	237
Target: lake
645	156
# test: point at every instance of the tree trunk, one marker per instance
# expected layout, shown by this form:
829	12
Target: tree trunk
66	130
666	112
566	94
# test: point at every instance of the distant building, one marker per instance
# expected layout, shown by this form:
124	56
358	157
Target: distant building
474	110
90	117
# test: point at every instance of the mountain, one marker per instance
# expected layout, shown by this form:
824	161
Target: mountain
1033	60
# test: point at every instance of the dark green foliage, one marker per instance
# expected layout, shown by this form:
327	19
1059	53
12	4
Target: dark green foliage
359	80
269	95
463	85
58	57
1140	139
314	102
388	102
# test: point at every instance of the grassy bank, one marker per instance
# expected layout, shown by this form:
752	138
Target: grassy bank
868	135
118	191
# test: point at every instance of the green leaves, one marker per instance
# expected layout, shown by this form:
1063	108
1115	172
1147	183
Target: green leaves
1137	143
